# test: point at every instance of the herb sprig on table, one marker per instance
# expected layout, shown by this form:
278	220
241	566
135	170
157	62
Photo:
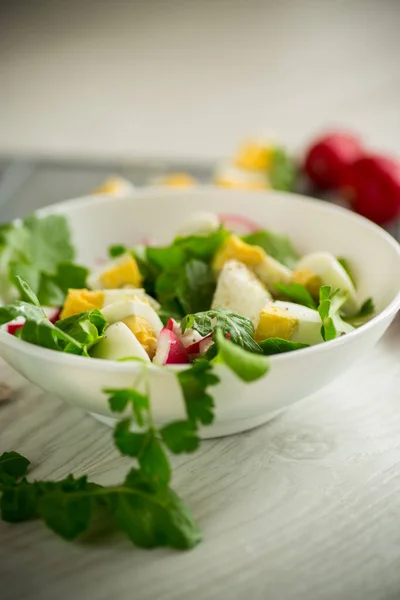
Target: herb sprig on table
143	506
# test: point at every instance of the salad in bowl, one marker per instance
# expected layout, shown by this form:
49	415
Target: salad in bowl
210	327
213	293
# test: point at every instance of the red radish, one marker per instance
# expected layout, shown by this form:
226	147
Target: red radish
56	315
172	325
235	221
13	327
170	350
329	156
201	346
372	185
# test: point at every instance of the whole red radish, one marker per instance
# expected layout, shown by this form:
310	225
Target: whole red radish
372	185
329	156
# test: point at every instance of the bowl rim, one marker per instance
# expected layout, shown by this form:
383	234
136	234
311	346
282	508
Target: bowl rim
130	366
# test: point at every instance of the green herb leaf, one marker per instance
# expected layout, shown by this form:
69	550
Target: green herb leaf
366	311
18	502
272	346
276	245
330	304
86	328
180	436
240	328
117	250
12	466
66	514
295	292
195	286
40	251
247	365
283	171
153	460
121	398
26	292
194	383
346	266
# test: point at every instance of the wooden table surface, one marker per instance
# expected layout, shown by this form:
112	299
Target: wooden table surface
306	507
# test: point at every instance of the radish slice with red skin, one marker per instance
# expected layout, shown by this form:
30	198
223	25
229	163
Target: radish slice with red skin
201	346
170	350
13	327
238	220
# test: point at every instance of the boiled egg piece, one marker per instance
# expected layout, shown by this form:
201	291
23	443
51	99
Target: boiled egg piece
255	155
120	272
229	175
80	300
119	342
289	321
177	180
239	290
115	186
119	311
200	223
331	272
269	270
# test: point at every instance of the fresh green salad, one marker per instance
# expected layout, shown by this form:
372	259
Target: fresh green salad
224	291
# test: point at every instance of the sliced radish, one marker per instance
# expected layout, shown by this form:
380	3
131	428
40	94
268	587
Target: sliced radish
173	325
201	346
190	337
13	327
170	350
239	223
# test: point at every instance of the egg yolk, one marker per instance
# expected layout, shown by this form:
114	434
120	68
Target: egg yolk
124	273
78	301
254	156
144	333
180	180
309	280
241	185
275	322
235	248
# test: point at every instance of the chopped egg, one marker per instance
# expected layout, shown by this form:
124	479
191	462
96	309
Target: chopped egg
289	321
178	180
331	272
121	272
201	223
119	311
275	322
78	301
230	176
254	155
115	186
308	279
239	290
144	332
269	270
119	342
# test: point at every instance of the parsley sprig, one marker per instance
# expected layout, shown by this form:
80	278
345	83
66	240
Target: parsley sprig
143	506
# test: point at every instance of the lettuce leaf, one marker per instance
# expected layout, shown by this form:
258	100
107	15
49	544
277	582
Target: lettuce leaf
272	346
276	245
330	303
248	366
295	292
74	335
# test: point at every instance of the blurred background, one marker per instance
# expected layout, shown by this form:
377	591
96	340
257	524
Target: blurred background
142	87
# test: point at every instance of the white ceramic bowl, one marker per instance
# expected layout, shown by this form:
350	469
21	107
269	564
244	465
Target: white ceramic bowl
98	222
